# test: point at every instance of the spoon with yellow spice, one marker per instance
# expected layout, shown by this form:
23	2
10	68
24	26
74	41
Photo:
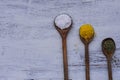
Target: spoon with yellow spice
86	32
108	48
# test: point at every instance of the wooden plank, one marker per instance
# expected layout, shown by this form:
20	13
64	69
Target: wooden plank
30	47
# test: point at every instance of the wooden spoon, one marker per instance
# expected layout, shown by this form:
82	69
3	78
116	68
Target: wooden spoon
86	40
63	32
108	48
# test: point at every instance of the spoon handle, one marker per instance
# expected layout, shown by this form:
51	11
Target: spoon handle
65	61
109	69
87	62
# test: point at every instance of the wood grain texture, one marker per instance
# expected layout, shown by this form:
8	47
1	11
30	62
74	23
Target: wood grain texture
31	48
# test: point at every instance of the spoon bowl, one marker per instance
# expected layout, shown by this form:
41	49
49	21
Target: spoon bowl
86	33
108	47
63	25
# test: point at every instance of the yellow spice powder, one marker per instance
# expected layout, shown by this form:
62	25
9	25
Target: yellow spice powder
86	31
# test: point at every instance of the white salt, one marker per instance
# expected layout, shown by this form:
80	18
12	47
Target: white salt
63	21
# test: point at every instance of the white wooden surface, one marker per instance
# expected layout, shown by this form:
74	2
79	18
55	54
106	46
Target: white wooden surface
30	47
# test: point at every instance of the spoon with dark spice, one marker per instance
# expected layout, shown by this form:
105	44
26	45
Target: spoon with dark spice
108	48
63	24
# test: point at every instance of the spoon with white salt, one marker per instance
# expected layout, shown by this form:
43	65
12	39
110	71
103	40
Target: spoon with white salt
63	24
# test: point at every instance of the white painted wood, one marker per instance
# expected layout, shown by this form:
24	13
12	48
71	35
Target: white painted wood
30	47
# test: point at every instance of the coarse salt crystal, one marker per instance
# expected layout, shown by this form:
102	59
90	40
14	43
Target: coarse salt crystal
63	21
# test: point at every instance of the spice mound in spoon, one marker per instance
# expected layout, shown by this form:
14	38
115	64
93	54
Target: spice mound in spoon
63	21
86	32
109	45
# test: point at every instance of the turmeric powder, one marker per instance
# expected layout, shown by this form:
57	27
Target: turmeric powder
86	31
